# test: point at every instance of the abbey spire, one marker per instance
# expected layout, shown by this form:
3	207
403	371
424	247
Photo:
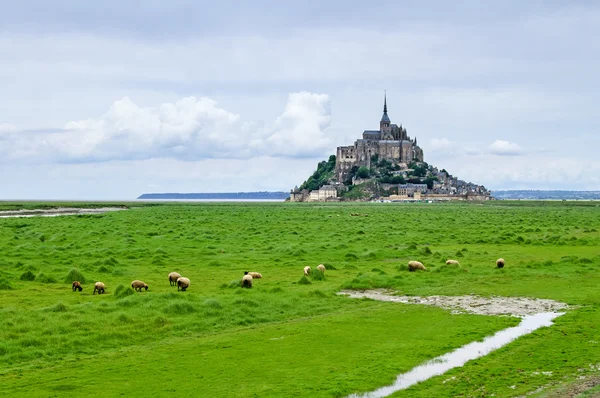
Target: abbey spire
385	118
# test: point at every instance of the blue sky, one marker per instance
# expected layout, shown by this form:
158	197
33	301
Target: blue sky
108	100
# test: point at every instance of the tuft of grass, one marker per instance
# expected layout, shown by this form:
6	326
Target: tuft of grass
74	275
43	278
179	308
304	281
317	275
233	284
58	307
27	276
123	291
5	284
212	303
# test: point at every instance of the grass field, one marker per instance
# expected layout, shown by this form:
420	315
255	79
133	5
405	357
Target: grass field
287	337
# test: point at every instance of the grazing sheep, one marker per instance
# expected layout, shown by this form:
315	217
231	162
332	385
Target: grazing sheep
183	283
255	275
99	286
452	262
173	276
416	265
500	263
77	286
307	270
247	280
321	268
138	285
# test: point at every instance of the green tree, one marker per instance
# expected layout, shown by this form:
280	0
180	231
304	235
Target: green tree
363	172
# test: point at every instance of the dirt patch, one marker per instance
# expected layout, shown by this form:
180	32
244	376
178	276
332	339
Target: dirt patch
579	388
513	306
61	211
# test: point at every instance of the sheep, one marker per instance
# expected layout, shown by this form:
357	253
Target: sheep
307	270
321	268
77	286
138	285
452	262
99	286
247	280
500	263
173	276
415	265
183	283
255	275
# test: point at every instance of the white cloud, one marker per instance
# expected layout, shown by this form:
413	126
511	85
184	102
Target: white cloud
437	144
7	128
505	148
188	129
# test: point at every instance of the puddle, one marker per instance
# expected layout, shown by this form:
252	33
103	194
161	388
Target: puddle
521	307
63	211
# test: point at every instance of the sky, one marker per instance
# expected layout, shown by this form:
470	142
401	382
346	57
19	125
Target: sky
112	99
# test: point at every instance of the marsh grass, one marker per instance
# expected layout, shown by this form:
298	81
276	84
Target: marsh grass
45	327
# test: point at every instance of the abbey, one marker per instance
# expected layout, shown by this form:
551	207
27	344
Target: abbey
390	142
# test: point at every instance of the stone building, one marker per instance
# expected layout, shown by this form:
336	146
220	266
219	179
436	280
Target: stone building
390	142
410	189
323	193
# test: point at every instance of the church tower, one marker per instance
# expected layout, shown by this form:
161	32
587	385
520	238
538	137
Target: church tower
384	124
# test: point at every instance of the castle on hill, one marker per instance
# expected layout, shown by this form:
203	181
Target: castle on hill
390	142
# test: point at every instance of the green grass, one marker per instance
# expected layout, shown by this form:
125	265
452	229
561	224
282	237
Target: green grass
285	336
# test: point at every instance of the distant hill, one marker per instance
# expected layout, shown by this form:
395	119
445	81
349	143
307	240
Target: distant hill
219	195
546	195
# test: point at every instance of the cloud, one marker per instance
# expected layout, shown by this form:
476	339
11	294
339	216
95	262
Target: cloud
437	144
505	148
188	129
7	128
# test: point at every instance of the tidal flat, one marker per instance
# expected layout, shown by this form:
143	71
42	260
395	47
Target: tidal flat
289	335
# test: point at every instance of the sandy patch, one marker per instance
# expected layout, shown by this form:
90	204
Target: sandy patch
513	306
61	211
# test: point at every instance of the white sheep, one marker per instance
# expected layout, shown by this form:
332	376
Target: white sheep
307	270
255	275
183	283
452	262
416	265
138	285
247	281
500	263
173	276
99	286
321	268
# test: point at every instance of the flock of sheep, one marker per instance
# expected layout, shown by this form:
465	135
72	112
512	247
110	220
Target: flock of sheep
183	283
174	279
416	265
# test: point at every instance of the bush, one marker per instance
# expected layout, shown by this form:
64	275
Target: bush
43	278
74	275
27	276
123	291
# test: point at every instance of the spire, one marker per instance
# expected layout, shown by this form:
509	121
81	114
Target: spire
385	118
384	101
